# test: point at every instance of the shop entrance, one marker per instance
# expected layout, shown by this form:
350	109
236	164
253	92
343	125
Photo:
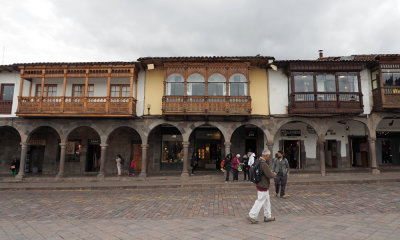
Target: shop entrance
251	146
291	149
35	158
207	143
332	154
93	156
388	148
359	151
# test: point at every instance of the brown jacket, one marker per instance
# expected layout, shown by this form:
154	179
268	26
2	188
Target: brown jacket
267	174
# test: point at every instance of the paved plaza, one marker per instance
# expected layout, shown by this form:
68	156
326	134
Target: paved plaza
335	211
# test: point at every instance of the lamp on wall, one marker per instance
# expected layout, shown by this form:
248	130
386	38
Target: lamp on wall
148	109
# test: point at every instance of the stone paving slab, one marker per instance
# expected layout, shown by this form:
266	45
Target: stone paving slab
217	179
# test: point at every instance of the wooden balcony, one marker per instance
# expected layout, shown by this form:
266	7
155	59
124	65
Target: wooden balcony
5	107
76	107
386	98
325	103
200	105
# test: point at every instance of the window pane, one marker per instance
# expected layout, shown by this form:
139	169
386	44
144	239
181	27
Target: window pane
175	78
38	90
175	89
326	83
125	91
51	91
216	89
238	78
78	91
90	90
196	77
196	89
348	83
303	83
216	77
396	79
387	79
115	91
8	92
237	89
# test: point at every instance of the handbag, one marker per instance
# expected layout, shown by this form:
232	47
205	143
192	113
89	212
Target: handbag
240	168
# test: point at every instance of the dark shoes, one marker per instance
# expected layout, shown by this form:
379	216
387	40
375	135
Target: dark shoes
270	219
251	220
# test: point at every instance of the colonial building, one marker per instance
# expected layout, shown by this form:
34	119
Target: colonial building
74	118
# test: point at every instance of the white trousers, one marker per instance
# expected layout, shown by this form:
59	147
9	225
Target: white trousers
119	168
262	200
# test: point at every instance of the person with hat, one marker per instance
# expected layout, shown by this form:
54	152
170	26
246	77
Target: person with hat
281	169
235	165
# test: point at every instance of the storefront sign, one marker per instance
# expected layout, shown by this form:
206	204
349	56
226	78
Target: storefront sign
290	133
37	142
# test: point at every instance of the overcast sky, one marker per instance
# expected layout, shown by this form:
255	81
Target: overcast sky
124	30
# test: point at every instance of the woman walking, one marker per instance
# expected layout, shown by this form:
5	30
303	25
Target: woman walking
118	160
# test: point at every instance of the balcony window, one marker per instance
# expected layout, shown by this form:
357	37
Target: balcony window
175	85
375	79
216	85
303	83
195	85
348	83
391	77
7	92
238	85
79	89
49	90
326	83
120	90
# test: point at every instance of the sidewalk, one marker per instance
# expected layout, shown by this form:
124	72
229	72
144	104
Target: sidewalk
201	180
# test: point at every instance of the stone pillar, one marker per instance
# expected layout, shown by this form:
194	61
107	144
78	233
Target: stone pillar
143	172
185	172
270	146
62	161
372	156
227	148
321	146
21	173
103	155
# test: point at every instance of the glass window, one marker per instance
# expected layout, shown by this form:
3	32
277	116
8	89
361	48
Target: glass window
195	85
375	79
326	83
49	90
348	83
79	89
391	77
175	85
238	85
7	92
120	90
216	85
303	83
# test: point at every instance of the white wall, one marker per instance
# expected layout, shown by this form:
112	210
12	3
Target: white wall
366	90
278	92
14	78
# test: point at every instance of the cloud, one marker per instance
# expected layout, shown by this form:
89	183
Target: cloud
105	30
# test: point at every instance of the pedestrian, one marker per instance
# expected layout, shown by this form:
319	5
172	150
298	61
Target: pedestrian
132	168
245	167
251	157
263	191
281	169
13	167
195	162
227	166
118	159
235	165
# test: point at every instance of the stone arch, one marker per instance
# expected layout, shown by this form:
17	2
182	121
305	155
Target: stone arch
195	125
248	136
158	123
111	131
102	137
281	122
10	147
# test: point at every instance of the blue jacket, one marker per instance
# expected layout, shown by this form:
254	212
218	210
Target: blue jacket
285	166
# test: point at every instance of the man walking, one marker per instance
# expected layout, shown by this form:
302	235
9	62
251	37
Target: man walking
281	169
263	191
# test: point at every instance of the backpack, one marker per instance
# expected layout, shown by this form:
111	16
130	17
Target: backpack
255	172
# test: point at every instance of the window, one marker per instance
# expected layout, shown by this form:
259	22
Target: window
50	90
238	85
120	90
375	80
195	85
175	85
326	83
78	90
391	77
216	85
348	83
7	92
303	83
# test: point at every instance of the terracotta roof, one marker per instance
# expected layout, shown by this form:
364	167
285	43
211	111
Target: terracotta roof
73	63
205	59
8	68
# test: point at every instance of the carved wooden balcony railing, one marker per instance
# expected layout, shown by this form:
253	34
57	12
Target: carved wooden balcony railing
386	98
77	106
211	105
5	107
325	103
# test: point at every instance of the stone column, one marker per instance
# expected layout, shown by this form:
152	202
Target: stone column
321	146
21	173
227	148
143	172
62	161
372	155
103	155
185	172
270	146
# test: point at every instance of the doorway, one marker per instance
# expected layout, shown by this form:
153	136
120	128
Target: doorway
137	156
291	149
207	143
332	154
359	151
251	146
35	159
93	157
